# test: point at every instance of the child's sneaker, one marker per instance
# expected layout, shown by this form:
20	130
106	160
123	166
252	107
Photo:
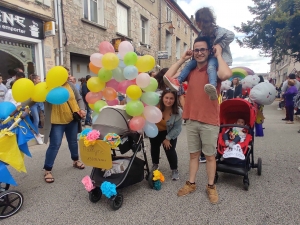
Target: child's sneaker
172	83
211	91
39	139
202	159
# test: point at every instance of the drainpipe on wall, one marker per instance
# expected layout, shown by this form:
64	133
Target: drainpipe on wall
159	27
61	55
56	51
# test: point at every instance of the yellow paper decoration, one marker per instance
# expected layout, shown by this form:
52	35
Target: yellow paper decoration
10	152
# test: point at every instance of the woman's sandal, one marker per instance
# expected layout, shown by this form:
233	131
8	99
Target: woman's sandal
48	179
79	165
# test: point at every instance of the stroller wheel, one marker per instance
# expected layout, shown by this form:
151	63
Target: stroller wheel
10	203
246	184
259	165
116	202
95	195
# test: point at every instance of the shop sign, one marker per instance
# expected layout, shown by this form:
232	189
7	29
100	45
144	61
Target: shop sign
20	24
49	29
163	55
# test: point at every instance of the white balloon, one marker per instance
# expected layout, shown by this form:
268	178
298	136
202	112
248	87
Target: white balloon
263	93
250	81
225	85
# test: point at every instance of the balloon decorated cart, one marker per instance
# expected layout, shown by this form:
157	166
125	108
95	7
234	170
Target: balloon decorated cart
15	132
119	128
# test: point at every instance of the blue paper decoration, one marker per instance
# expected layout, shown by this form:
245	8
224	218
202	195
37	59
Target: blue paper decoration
157	185
5	176
108	189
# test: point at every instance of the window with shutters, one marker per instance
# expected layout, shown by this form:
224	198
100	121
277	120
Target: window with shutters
122	19
185	47
93	11
169	14
177	48
169	43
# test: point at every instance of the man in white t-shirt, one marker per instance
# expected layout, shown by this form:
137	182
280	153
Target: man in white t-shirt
3	90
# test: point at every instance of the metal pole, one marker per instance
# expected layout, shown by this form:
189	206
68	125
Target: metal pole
61	55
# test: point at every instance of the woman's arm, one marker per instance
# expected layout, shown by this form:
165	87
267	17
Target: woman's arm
176	130
77	96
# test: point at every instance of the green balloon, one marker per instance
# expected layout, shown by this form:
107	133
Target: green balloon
152	86
104	74
134	108
99	105
130	58
118	74
150	98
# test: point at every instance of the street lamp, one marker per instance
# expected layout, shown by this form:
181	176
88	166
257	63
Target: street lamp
171	27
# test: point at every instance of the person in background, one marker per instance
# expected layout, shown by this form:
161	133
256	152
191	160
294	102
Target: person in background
8	96
12	75
85	90
3	89
289	102
161	84
236	89
169	129
73	80
19	75
152	74
35	111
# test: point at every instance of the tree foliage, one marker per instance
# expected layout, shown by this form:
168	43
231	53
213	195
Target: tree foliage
275	29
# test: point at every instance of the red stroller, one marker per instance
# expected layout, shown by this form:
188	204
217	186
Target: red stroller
230	112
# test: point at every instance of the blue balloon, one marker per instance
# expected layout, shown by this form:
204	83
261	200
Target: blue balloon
58	96
150	129
130	72
6	108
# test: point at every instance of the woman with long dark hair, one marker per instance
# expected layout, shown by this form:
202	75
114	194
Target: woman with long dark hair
236	89
159	77
169	129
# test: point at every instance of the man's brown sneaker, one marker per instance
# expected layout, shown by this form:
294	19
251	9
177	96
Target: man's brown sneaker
186	189
212	194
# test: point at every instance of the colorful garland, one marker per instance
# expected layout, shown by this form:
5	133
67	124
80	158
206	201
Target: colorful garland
112	139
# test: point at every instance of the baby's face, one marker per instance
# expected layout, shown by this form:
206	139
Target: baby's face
240	122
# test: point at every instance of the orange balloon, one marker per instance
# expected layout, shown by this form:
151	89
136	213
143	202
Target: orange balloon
109	93
94	68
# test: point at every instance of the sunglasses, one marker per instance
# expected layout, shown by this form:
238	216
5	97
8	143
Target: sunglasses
202	50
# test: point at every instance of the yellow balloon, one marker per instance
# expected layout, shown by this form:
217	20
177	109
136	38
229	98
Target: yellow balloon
40	92
91	106
56	76
110	61
94	84
22	90
134	92
145	63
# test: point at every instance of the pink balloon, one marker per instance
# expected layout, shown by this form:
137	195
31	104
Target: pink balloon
124	47
124	85
113	84
143	80
137	123
152	114
93	97
106	47
112	102
96	59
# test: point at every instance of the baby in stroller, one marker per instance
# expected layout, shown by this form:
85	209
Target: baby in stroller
235	134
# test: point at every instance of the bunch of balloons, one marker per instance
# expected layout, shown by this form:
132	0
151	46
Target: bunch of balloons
24	89
125	73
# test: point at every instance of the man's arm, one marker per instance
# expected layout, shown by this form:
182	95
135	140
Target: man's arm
224	72
174	68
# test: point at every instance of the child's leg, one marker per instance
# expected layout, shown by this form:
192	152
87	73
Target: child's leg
210	89
173	84
212	71
186	70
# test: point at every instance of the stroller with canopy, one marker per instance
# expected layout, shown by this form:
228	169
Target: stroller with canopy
14	133
230	112
114	120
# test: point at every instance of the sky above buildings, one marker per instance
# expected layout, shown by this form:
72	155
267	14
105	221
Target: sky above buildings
230	13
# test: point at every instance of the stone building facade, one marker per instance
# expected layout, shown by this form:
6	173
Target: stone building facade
183	35
279	71
22	39
84	32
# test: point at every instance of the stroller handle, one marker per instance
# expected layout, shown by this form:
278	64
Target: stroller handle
234	125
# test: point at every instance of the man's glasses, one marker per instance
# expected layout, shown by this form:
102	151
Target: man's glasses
202	50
